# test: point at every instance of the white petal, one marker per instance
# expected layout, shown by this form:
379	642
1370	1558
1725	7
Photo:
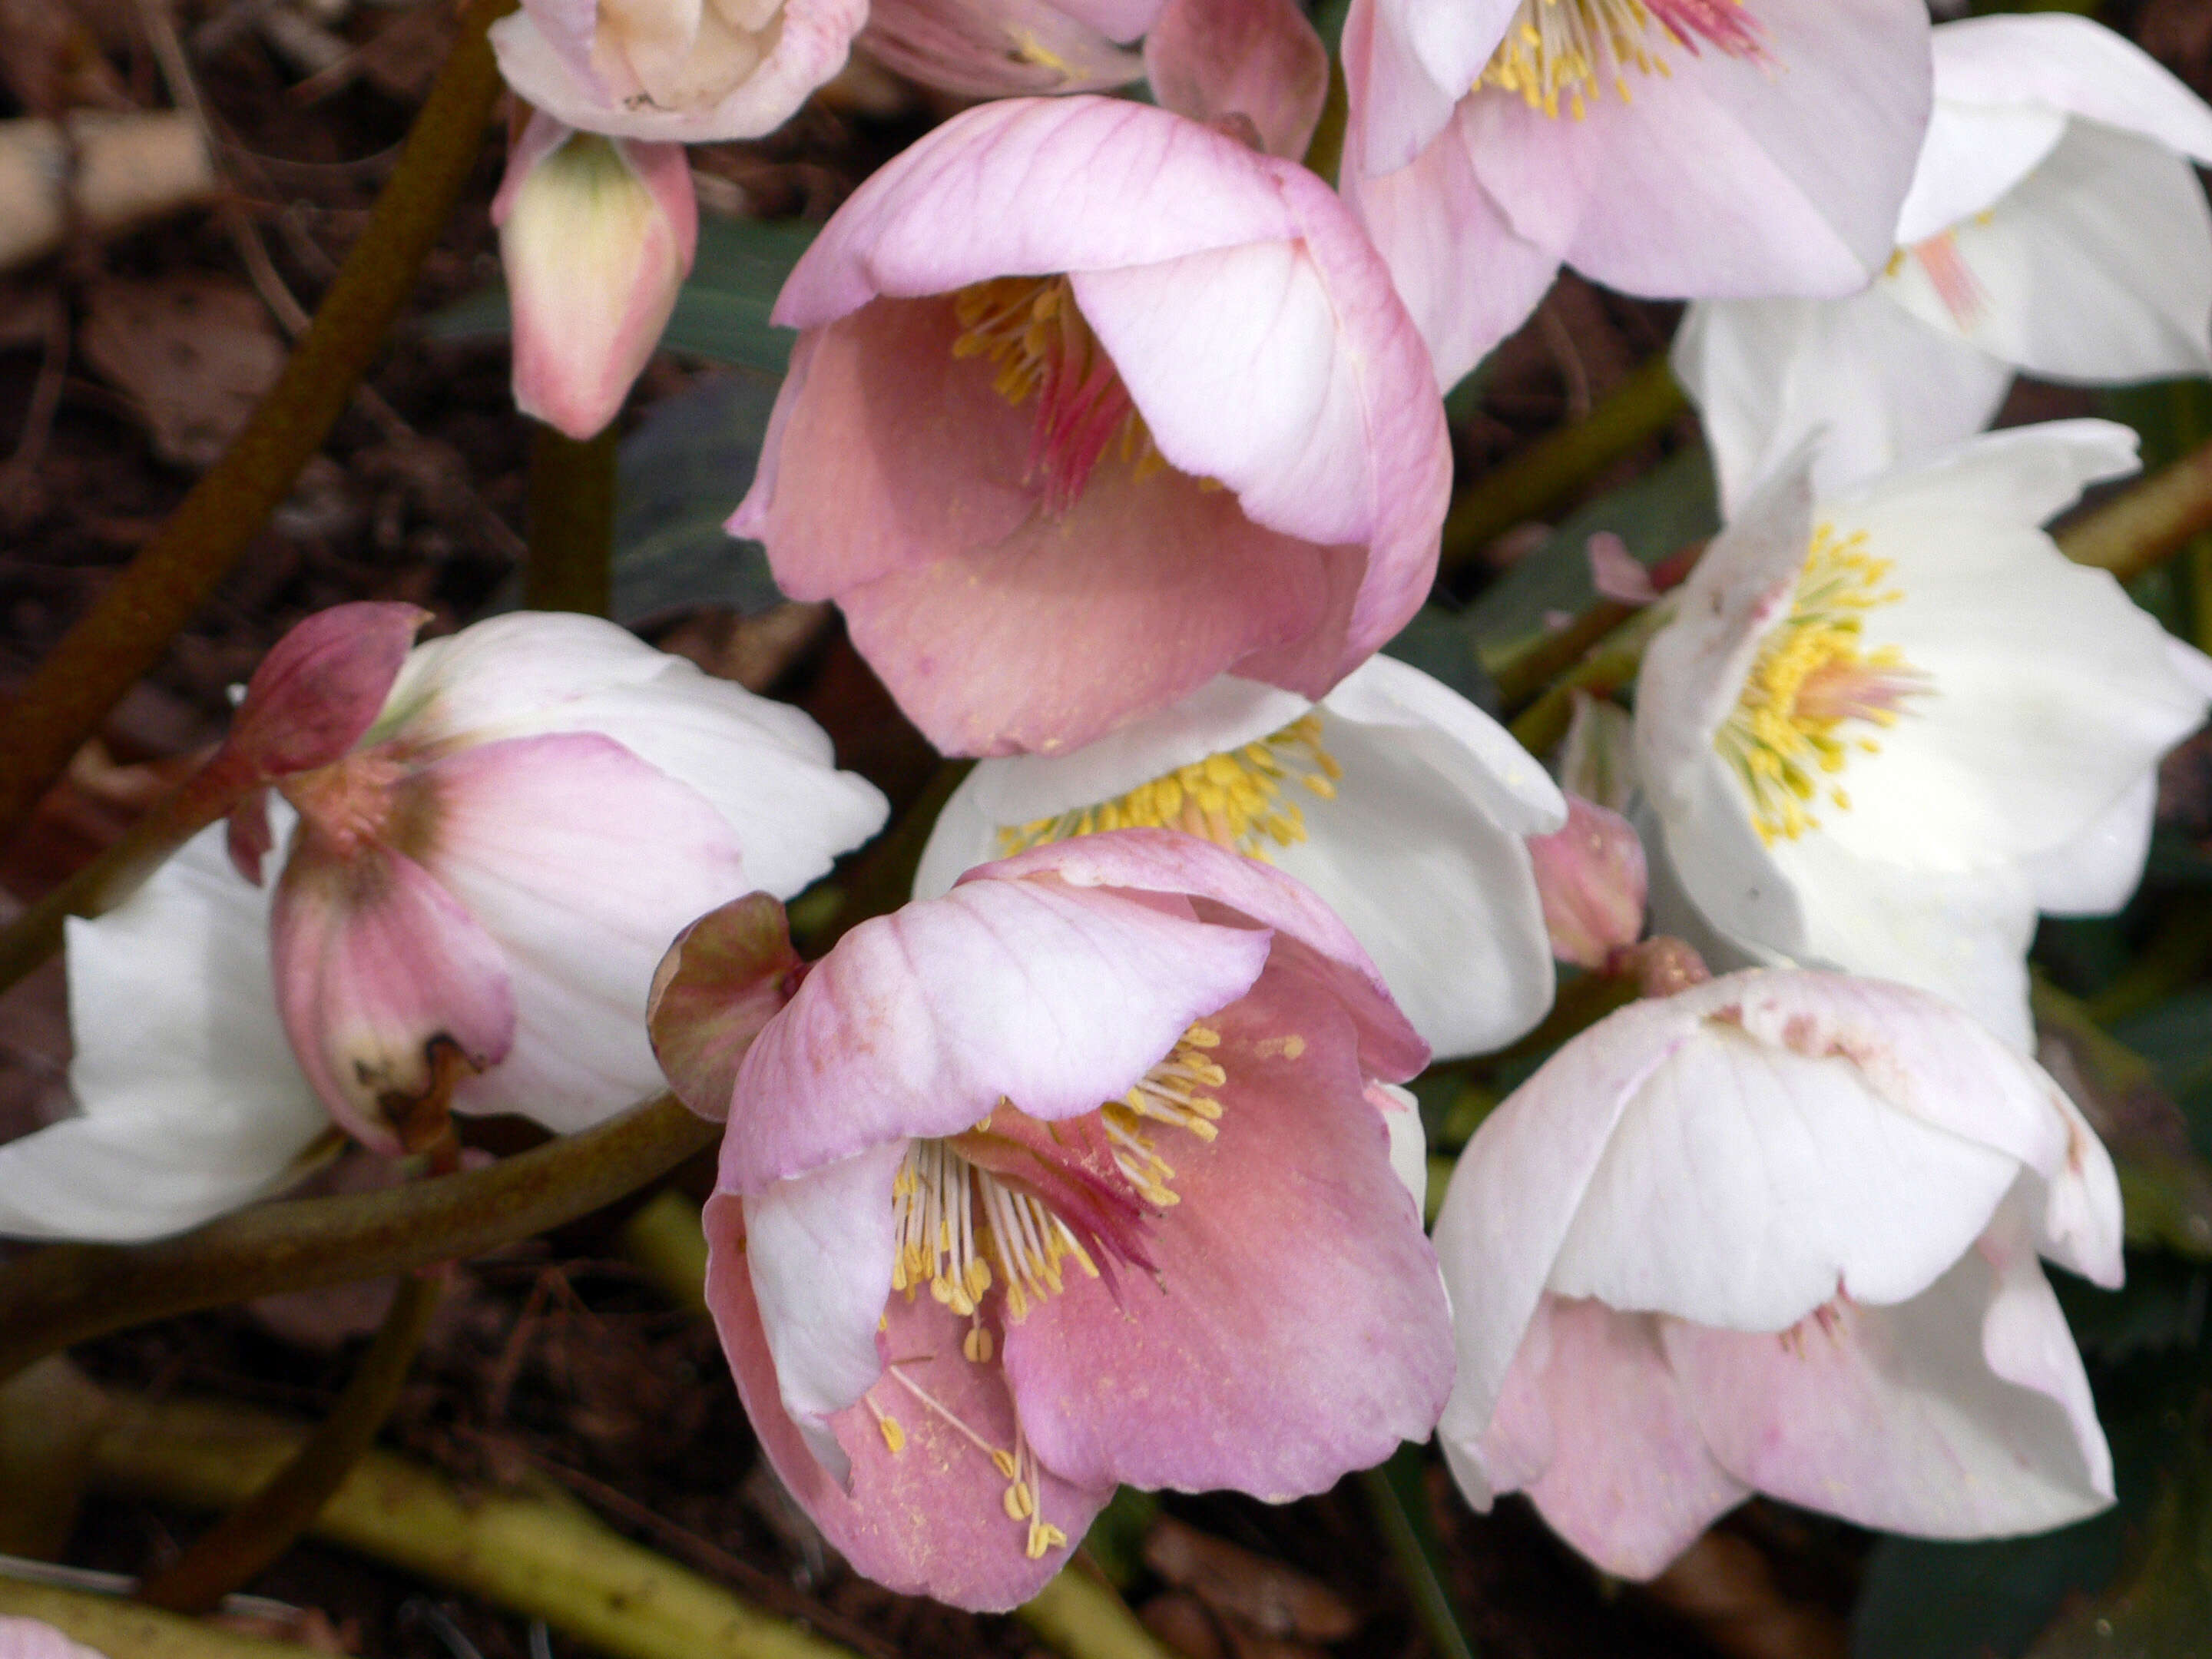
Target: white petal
192	1104
2072	65
1873	382
2096	873
2026	475
1973	153
1409	1142
2098	267
820	1246
469	686
1480	756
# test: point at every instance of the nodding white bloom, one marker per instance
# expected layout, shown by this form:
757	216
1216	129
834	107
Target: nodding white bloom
2056	226
681	71
1092	1100
1672	148
489	844
1882	730
1777	1233
596	236
1399	803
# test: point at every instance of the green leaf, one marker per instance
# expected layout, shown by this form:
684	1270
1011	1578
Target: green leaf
680	475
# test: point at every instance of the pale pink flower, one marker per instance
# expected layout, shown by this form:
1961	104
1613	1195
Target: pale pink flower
489	842
1681	148
33	1638
596	236
677	71
1077	1175
1090	404
1777	1233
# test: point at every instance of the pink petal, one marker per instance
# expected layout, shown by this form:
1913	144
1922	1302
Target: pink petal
1102	182
33	1638
1211	59
1591	877
1963	1413
995	48
929	1519
723	978
1245	1364
1405	63
1238	889
918	1023
1594	1425
321	686
386	985
583	862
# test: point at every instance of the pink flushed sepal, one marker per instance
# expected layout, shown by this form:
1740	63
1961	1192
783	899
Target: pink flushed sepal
1591	877
1093	1101
723	978
1163	418
1005	48
1219	60
597	235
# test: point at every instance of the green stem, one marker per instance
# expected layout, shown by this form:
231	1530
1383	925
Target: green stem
123	636
1394	1493
1610	665
66	1293
1548	470
545	1556
260	1529
572	523
128	1630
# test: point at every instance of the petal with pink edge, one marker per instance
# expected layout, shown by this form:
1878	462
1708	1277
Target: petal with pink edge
995	48
1217	59
930	1518
919	1022
1294	1327
322	686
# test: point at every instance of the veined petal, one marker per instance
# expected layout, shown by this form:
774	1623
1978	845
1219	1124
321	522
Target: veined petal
1406	63
191	1103
1217	59
919	1022
508	671
995	48
1212	1375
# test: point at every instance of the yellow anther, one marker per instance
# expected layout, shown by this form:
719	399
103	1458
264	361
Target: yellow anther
976	1344
1043	1536
1004	1462
894	1436
1813	676
1578	48
1020	1501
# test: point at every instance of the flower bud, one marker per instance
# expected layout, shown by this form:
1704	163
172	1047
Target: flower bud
1590	876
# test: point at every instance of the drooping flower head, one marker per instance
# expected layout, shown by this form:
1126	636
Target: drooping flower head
1080	1174
1091	403
677	71
1403	807
1669	147
489	842
2055	225
1777	1233
1882	731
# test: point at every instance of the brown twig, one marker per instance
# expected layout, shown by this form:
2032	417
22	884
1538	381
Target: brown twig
572	523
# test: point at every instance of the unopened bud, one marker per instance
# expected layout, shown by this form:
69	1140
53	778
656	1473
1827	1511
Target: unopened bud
1590	876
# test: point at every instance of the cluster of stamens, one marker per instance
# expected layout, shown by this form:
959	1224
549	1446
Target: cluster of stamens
1948	274
1577	48
963	1231
1031	331
1236	799
1785	738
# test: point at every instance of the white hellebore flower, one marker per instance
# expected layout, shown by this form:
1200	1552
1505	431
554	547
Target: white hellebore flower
1403	806
2056	226
1882	732
477	882
1777	1233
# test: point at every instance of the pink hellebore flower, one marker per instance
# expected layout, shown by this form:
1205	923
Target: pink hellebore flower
492	838
1680	149
1093	1101
597	236
1777	1233
676	71
33	1638
1154	415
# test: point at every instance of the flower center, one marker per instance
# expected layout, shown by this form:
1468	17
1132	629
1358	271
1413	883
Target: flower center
1236	798
1033	333
1948	274
1785	739
685	57
1577	47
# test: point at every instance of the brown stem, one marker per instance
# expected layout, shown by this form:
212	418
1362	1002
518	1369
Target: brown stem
572	523
66	1293
2147	524
264	1526
124	634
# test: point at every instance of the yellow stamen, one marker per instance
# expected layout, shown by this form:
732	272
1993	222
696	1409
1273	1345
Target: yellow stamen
1579	48
1237	798
1784	739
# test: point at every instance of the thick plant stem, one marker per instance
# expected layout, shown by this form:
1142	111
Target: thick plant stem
130	1630
2146	524
1540	477
252	1535
572	523
1394	1493
545	1556
67	1292
123	636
